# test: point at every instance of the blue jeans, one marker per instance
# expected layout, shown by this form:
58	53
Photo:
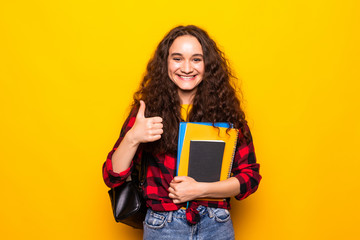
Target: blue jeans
215	223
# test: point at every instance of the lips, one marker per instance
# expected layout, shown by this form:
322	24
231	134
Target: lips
186	77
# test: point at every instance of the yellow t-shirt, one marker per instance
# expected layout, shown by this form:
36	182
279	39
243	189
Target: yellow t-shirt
185	109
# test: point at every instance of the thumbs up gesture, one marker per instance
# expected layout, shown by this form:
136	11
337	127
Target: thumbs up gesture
146	129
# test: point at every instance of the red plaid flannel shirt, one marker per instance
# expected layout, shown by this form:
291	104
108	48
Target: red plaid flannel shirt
162	169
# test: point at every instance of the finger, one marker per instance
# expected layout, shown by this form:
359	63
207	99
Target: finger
158	125
172	190
176	201
172	196
179	178
150	124
156	119
156	132
155	137
152	138
183	178
141	112
173	185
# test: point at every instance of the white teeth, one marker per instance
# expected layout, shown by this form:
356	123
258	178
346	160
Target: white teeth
186	77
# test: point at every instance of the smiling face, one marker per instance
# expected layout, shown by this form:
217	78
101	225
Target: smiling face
186	66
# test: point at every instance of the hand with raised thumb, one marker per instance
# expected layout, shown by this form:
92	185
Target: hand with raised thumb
145	129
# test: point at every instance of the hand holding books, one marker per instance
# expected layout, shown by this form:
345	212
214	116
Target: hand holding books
183	189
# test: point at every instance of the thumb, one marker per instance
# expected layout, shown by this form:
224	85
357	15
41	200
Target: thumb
141	112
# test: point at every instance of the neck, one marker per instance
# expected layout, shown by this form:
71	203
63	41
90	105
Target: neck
186	97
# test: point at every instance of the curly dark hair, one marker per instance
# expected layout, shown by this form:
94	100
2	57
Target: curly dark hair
215	99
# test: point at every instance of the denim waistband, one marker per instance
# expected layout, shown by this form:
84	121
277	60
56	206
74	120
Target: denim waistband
181	213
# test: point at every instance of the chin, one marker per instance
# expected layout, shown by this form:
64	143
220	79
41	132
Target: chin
187	89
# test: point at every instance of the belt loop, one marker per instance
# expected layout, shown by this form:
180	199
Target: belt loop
211	213
169	219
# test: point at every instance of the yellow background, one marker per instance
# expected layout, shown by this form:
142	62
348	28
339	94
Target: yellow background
68	70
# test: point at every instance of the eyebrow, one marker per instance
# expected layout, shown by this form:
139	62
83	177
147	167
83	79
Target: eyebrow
195	55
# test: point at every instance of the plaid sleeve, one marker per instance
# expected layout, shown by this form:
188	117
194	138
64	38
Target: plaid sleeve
245	168
111	178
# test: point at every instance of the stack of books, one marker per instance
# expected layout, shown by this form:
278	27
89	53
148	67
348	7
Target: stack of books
205	152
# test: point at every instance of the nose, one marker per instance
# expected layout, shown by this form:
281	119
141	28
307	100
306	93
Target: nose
186	67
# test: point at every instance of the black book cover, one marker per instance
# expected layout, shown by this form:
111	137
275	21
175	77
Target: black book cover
205	160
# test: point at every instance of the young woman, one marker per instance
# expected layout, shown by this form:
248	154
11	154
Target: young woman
188	79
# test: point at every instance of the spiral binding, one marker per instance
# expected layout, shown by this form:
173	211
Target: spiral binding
234	149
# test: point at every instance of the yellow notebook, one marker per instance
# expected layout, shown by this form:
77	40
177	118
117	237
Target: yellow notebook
201	142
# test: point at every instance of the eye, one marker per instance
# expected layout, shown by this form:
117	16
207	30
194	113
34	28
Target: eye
176	59
197	59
